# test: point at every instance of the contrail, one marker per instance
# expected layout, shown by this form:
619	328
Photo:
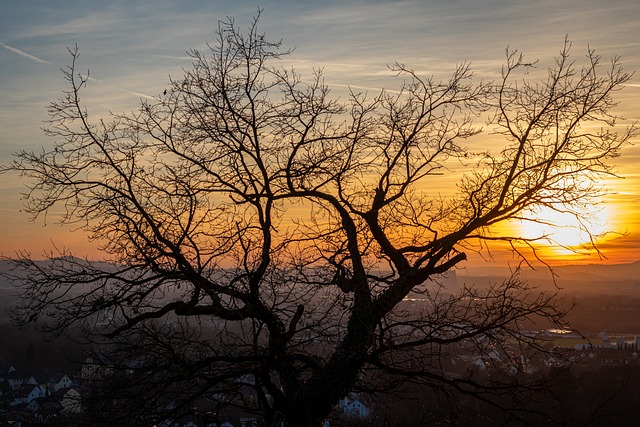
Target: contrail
24	54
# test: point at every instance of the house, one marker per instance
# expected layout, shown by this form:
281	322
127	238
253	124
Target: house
4	370
31	380
353	408
95	366
29	393
356	409
59	381
35	392
248	422
71	401
17	378
90	368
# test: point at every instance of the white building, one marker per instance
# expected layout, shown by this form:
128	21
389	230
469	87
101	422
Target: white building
353	408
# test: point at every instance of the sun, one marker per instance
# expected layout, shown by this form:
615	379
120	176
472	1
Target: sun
557	228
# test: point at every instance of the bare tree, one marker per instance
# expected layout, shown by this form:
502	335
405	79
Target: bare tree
212	281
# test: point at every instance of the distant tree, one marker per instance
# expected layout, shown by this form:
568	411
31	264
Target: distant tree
260	235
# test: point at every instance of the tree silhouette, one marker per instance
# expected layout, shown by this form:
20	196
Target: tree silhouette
262	237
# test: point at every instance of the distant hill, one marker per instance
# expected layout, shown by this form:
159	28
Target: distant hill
601	271
595	271
590	278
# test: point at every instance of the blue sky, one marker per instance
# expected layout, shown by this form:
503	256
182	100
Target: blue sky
131	47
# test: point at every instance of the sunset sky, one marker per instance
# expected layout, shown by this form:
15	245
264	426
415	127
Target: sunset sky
132	47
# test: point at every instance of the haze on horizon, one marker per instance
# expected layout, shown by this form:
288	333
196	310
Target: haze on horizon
131	49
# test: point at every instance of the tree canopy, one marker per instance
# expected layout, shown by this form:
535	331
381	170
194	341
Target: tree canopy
260	234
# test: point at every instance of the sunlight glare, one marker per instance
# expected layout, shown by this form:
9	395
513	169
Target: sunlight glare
563	229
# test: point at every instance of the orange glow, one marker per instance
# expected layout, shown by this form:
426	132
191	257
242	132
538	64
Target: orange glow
563	239
564	230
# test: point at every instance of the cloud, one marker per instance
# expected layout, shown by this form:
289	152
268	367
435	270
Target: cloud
142	95
87	24
24	54
176	58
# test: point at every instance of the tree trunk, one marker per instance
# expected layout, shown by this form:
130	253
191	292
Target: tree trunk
322	392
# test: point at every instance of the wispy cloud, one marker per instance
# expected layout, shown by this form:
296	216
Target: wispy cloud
176	58
24	54
87	23
142	95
